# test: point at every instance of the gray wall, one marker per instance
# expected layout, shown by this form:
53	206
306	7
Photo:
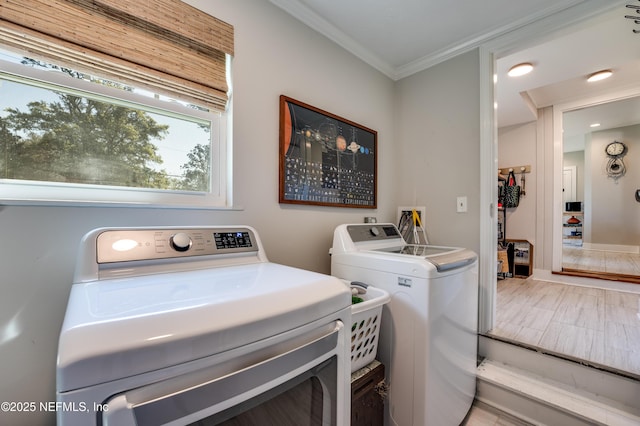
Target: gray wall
615	213
428	137
438	143
274	55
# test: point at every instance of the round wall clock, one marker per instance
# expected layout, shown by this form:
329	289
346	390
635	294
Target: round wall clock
616	149
615	166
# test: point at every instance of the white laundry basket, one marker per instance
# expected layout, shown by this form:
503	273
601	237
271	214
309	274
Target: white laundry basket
365	326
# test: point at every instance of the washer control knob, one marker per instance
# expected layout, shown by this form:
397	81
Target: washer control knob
180	241
374	231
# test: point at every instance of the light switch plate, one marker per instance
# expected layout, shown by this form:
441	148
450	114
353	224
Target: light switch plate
461	205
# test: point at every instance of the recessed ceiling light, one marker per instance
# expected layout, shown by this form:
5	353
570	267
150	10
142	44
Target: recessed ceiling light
594	125
600	75
520	69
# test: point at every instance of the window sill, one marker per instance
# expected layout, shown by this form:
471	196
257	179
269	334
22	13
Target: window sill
112	204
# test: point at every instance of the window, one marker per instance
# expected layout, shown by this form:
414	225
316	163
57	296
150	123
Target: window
76	125
67	135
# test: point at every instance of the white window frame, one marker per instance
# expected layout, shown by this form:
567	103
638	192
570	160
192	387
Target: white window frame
55	193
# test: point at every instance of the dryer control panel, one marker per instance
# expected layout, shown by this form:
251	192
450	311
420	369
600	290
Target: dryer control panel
124	245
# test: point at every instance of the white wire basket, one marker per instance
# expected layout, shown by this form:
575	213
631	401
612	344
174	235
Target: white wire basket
365	326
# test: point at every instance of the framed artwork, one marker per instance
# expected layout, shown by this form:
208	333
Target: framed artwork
325	160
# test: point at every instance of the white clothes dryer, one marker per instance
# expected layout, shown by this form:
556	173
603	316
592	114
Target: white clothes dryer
428	335
182	326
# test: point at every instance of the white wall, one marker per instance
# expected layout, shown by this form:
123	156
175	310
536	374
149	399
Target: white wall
517	147
438	146
615	213
274	55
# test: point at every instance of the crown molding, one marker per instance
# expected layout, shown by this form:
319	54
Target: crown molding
308	17
526	27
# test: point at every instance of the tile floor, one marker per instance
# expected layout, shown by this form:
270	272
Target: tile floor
484	415
591	324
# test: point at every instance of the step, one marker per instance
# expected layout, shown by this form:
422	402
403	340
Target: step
542	388
539	400
612	384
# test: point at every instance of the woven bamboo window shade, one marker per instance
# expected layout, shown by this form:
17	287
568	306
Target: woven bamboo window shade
165	46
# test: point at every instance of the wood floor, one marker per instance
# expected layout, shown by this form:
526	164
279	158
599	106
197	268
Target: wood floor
611	262
599	326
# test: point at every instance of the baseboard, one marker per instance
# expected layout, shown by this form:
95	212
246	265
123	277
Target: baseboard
585	281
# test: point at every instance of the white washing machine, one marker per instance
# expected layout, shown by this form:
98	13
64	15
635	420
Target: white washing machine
428	336
183	326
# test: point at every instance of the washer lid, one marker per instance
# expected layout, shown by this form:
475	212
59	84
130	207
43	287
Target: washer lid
121	327
443	258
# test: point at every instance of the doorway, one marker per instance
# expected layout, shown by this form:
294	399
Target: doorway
549	204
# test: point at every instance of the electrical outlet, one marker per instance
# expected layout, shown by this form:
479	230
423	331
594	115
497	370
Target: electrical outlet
461	205
422	213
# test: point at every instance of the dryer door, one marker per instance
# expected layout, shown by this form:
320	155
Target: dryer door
299	386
